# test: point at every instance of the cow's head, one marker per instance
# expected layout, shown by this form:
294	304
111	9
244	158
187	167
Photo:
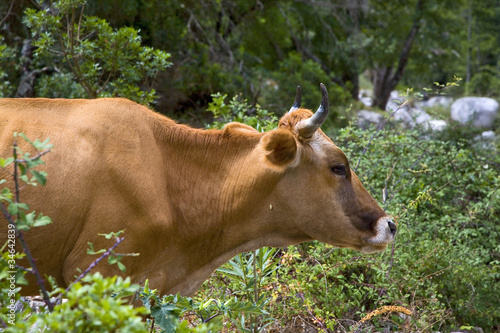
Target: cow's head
319	195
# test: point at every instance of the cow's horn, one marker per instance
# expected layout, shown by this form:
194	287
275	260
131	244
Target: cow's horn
308	127
297	101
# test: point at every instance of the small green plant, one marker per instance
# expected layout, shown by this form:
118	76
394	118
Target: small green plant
238	110
92	305
113	258
175	313
249	274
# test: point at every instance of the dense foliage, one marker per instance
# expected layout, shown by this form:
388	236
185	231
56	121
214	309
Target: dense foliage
261	49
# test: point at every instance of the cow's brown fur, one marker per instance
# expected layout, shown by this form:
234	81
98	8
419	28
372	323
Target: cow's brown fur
187	199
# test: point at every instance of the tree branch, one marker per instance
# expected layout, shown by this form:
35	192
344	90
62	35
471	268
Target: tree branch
382	89
405	52
8	12
36	157
118	240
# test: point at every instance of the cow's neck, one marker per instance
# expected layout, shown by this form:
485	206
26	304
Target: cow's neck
221	201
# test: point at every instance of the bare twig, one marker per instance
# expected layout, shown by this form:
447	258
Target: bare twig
392	257
211	317
36	157
71	58
118	240
151	330
80	22
8	12
389	175
3	323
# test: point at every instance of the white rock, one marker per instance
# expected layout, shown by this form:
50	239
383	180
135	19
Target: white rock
403	116
486	140
365	97
442	101
479	111
395	102
411	117
420	116
489	136
394	95
365	118
437	125
367	101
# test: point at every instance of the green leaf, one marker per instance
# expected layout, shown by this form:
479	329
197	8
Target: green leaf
22	168
14	208
164	317
40	176
28	219
6	195
112	260
146	286
90	250
121	266
5	162
42	220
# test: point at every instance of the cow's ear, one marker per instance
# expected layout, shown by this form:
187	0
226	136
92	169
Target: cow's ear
280	146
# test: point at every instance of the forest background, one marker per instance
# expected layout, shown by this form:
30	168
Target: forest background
175	55
264	49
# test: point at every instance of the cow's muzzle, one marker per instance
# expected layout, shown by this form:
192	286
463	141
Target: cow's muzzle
385	232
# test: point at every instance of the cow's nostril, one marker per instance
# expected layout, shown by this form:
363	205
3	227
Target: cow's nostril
392	227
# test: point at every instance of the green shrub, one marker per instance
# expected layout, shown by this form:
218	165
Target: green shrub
102	60
294	70
7	55
238	110
93	305
484	83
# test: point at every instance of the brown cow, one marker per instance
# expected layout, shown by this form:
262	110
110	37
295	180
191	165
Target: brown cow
188	199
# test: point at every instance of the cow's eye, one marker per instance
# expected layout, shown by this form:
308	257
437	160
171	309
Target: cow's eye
339	169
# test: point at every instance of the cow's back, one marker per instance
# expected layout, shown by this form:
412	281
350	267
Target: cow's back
103	166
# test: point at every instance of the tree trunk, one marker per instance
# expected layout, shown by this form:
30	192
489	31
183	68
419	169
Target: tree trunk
384	80
26	86
382	86
469	44
352	77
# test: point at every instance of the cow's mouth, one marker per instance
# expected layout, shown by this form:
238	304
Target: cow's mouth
373	248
